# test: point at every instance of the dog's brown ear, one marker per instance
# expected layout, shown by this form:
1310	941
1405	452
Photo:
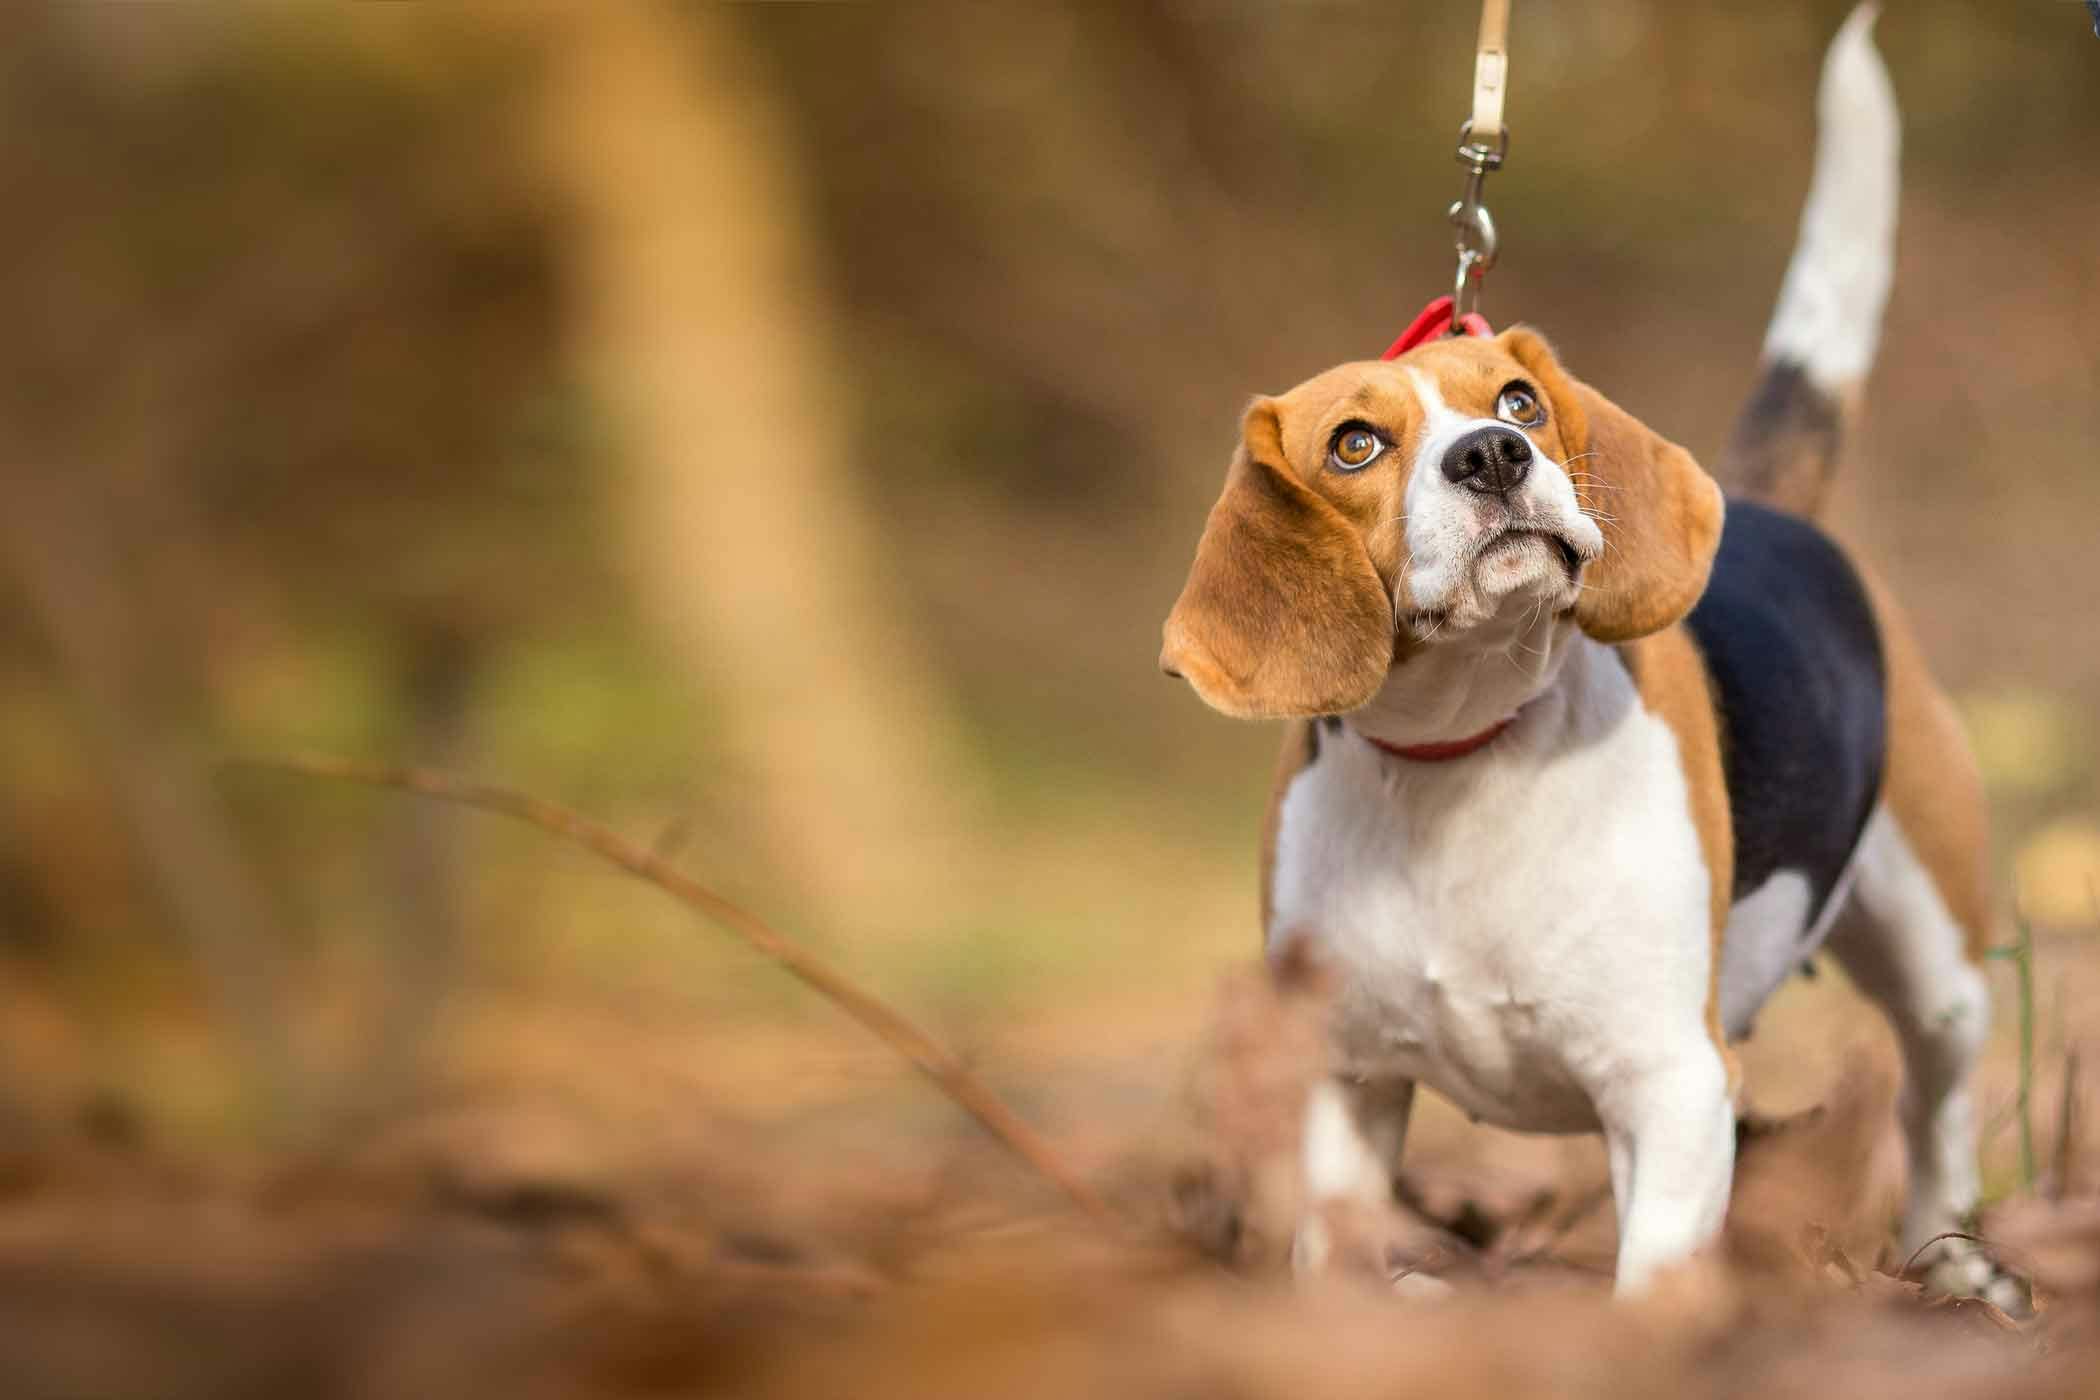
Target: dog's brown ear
1660	512
1283	613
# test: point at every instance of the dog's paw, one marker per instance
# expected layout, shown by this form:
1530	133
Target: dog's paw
1960	1268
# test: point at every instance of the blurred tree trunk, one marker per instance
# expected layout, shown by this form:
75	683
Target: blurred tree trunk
54	544
83	481
713	345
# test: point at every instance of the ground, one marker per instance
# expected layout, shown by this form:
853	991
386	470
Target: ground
588	1202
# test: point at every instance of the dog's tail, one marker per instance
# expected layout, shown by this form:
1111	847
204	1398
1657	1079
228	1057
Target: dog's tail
1823	334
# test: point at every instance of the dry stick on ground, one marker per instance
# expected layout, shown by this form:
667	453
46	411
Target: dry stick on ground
893	1029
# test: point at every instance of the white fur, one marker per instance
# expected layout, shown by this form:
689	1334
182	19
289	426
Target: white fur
1901	945
1463	559
1829	316
1470	680
1338	1167
1539	956
1768	938
1762	947
1338	1163
1501	638
1527	930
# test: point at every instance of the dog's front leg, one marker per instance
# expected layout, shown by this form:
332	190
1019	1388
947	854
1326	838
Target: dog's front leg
1670	1134
1383	1108
1351	1145
1339	1172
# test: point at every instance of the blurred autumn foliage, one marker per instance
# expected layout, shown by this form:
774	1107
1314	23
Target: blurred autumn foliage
781	428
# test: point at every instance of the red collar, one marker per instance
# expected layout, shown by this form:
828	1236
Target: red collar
1446	749
1434	321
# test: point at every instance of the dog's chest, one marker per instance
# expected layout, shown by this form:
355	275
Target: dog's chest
1514	929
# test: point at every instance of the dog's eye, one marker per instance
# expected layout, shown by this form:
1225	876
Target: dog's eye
1520	406
1355	447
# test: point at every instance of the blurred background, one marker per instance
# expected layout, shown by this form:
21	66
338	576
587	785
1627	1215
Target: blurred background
780	430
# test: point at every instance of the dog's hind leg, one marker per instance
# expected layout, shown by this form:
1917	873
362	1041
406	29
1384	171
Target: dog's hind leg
1912	936
1899	942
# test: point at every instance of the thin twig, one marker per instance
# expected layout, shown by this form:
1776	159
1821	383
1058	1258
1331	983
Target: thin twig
2002	1257
926	1055
1912	1262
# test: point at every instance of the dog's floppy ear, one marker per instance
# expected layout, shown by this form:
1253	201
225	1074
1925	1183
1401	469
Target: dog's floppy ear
1283	613
1660	512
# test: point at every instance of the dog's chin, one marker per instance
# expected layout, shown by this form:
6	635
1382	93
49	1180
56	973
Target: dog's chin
1513	574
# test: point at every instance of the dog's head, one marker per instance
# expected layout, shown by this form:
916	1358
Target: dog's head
1388	506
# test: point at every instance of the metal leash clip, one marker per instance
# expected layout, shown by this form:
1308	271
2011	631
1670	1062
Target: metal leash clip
1477	241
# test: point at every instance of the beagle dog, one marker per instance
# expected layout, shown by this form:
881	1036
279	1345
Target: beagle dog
1584	759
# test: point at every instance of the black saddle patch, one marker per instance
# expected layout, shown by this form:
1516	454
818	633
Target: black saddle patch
1795	659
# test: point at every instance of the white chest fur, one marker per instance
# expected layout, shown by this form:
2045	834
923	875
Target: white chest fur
1519	928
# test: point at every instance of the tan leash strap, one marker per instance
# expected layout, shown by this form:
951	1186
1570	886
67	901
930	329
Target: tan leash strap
1482	143
1491	71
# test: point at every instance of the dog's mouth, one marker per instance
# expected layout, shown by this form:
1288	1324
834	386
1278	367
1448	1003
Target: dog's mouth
1564	549
1423	624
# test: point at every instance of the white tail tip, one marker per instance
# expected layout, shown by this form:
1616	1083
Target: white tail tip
1829	316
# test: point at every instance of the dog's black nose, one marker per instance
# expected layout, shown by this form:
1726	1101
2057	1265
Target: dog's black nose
1493	461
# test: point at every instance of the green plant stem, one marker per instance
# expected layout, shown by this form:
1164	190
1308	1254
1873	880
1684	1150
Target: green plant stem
2021	955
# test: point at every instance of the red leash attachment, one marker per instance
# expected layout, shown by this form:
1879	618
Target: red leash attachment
1434	321
1483	144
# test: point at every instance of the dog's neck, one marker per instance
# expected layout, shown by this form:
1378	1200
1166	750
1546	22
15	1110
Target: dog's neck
1452	690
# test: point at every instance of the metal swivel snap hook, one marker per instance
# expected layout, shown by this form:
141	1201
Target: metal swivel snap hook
1478	242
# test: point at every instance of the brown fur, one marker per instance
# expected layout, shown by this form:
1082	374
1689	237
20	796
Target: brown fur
1245	630
1283	613
1286	609
1261	630
1296	604
1933	787
1670	675
1661	513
